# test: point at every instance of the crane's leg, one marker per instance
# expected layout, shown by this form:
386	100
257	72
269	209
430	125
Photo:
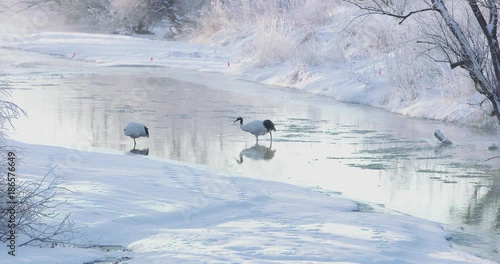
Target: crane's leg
134	143
257	139
271	134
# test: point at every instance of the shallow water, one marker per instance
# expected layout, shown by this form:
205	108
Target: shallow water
364	153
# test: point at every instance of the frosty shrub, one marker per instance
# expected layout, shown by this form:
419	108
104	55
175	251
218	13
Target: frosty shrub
410	75
216	17
272	41
8	110
35	220
270	31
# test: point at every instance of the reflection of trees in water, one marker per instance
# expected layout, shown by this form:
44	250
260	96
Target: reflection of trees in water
481	205
450	176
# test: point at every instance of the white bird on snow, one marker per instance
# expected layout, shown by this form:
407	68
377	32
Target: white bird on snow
135	130
257	127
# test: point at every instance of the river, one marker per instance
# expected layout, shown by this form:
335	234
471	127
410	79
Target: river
364	153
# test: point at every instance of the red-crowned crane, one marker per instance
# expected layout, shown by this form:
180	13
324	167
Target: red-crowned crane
257	127
135	130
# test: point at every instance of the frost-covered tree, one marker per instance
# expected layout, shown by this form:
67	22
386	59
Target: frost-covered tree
464	32
120	16
95	12
141	16
134	16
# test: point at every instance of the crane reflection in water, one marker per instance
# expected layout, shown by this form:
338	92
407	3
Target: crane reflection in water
257	152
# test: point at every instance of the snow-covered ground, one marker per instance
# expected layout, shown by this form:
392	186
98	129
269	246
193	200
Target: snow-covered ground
170	212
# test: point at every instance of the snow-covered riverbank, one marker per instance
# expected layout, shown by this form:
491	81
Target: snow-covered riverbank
354	81
170	212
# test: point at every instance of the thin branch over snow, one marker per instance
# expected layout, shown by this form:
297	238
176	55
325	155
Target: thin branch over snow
36	217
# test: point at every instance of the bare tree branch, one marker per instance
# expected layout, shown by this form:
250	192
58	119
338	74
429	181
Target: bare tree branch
496	157
467	40
383	9
35	207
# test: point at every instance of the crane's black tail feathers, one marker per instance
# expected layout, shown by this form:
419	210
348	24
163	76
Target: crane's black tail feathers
147	131
269	125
